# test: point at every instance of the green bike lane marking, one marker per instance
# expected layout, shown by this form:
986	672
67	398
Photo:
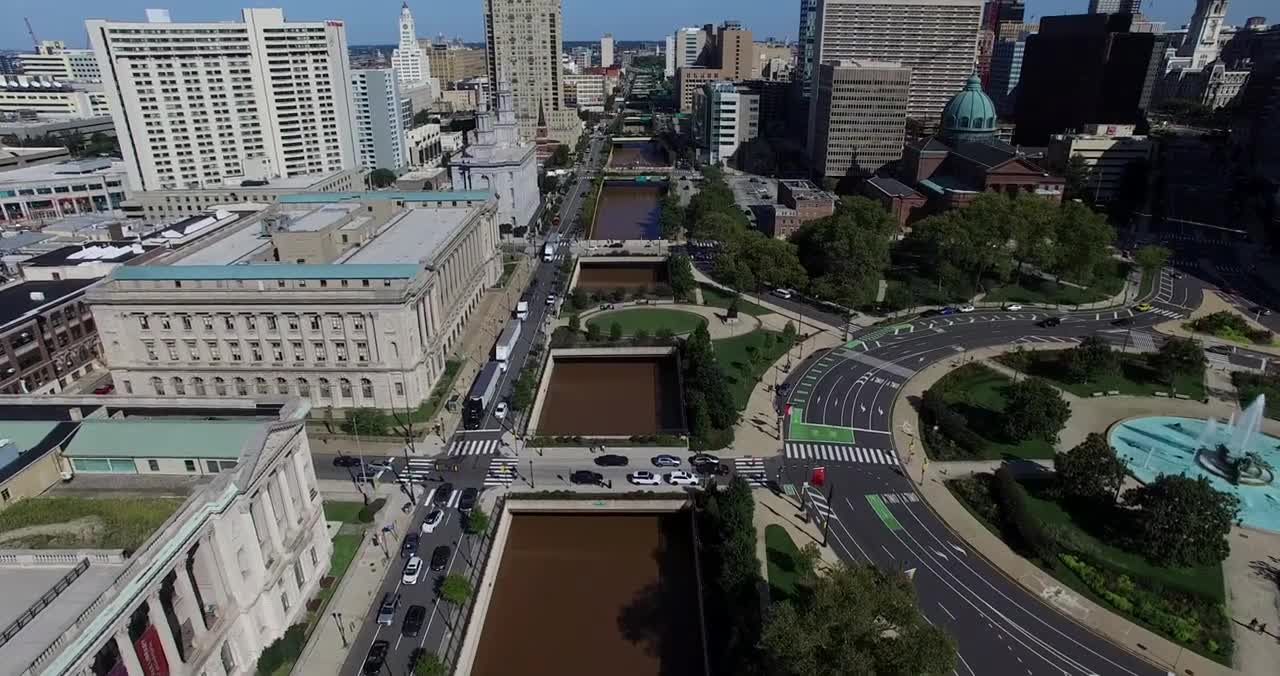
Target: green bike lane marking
798	430
882	511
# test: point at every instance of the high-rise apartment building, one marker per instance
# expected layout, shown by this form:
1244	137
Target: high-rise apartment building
735	51
196	104
687	49
524	37
606	50
724	117
670	53
451	63
995	15
806	38
936	39
859	116
380	140
53	60
409	59
1115	6
1006	71
726	53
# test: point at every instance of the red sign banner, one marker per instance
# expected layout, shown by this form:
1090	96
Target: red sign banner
151	653
819	476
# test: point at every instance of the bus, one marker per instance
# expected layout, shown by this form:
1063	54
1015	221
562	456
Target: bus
480	396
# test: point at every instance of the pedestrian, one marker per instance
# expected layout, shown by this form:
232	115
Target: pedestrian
1253	624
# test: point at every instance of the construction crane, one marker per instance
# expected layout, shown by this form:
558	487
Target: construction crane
35	44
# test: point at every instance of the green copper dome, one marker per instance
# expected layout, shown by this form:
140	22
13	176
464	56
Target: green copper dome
969	114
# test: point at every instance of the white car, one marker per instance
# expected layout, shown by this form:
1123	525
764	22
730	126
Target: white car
551	299
783	293
500	411
1013	307
643	478
679	478
966	308
412	570
435	518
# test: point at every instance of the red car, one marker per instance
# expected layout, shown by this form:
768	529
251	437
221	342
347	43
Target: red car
104	389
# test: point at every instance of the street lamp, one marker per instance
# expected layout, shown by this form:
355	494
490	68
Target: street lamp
337	619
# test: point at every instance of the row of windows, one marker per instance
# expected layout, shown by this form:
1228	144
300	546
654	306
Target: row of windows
240	387
250	321
319	351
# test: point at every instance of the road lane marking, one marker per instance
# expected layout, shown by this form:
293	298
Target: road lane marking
882	511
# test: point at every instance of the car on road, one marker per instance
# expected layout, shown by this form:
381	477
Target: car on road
665	460
948	310
376	659
443	493
440	557
612	460
410	546
643	478
703	459
966	308
1049	322
711	469
467	501
346	461
1221	349
387	609
1123	321
1176	275
551	299
413	619
1142	307
412	570
1013	307
785	294
679	478
434	518
586	477
500	411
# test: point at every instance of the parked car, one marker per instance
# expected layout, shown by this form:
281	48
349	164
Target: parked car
377	657
413	619
434	518
966	308
665	460
440	557
551	299
1261	311
612	460
679	478
412	570
500	411
410	546
1142	307
387	609
467	501
443	493
643	478
1049	321
1013	307
586	477
346	461
948	310
1221	349
703	459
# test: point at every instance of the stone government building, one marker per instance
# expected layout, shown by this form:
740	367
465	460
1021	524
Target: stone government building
343	299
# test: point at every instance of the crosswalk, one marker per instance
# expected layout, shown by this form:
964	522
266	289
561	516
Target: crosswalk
1167	313
752	470
841	453
417	470
501	472
1068	340
900	498
477	447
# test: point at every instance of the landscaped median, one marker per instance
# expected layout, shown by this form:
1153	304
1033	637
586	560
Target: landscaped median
965	416
1122	373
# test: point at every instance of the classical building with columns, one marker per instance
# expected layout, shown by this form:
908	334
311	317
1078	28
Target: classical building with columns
343	299
225	575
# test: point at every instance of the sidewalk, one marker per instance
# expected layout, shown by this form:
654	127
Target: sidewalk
327	648
929	477
756	433
774	510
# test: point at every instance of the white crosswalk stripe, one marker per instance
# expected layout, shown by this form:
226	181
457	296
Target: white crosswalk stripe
477	447
752	470
841	453
418	470
501	472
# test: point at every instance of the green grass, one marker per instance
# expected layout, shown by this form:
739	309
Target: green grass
346	512
1133	377
734	355
717	297
439	394
780	555
1040	290
979	395
649	319
111	523
508	269
1148	281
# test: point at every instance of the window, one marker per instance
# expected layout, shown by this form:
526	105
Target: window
344	388
186	322
284	600
255	350
157	386
179	388
362	352
197	384
277	352
172	348
128	387
293	322
335	322
298	353
282	386
220	387
357	322
229	322
297	574
260	385
242	388
164	322
251	322
143	323
150	347
234	348
4	496
153	465
214	353
190	465
193	350
304	388
207	321
228	657
271	322
320	353
340	351
315	560
399	389
325	390
366	388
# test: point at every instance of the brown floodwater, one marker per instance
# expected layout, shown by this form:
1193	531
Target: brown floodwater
629	275
612	396
591	594
627	210
632	154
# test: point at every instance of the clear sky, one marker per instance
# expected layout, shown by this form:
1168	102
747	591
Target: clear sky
374	21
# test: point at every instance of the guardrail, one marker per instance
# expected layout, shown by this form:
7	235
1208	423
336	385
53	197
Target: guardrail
43	602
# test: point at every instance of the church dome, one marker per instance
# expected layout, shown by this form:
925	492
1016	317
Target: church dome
969	113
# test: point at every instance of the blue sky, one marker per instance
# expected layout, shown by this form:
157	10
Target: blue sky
374	21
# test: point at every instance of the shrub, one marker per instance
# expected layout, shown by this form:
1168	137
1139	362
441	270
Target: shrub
1019	520
370	511
283	650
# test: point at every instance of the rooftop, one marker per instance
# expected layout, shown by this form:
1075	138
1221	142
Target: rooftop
319	219
891	186
18	302
238	246
63	171
412	236
151	438
192	226
265	271
84	254
402	196
24	441
21	240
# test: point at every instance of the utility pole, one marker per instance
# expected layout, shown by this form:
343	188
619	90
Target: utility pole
826	522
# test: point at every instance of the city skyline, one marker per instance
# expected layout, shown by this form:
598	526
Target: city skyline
583	20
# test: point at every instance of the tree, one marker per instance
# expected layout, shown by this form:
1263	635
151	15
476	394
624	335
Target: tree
549	183
772	263
855	619
845	254
1090	472
1175	357
1152	257
670	216
1034	409
368	422
680	274
664	335
381	178
422	117
1184	521
641	336
1091	359
789	333
428	664
615	332
1076	177
477	522
720	226
559	156
1084	242
455	589
1033	226
575	322
710	402
593	332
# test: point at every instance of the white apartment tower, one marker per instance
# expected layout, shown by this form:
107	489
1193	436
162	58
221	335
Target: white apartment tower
380	132
606	50
205	104
723	119
936	39
524	36
410	59
53	60
670	53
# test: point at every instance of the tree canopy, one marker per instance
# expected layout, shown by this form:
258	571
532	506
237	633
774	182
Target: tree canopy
381	178
846	254
1034	409
1090	472
1185	521
680	274
1152	257
1175	357
707	396
1089	360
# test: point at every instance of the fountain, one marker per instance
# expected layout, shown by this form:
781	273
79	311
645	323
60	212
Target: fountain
1235	456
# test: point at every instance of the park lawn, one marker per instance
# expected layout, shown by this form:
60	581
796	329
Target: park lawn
105	523
717	297
648	319
346	512
734	355
1133	377
981	400
508	269
781	554
1039	290
1250	385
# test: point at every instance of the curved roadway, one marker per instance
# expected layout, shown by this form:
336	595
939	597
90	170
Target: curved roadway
877	516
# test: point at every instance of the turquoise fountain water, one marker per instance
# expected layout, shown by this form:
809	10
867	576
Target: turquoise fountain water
1235	456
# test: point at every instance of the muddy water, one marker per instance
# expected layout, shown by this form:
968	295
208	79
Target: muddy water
612	396
638	154
627	211
628	275
592	594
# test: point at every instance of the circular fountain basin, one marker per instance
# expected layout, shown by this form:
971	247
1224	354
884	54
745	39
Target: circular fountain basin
1157	445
